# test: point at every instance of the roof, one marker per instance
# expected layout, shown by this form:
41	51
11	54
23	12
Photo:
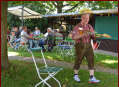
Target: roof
106	11
27	13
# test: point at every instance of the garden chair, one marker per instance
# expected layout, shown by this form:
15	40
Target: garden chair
58	42
66	48
50	71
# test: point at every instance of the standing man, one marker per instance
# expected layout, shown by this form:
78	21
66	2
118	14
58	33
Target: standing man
83	46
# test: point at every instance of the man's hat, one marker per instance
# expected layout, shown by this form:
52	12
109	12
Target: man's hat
85	11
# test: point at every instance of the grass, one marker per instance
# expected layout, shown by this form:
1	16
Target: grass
100	59
107	61
23	74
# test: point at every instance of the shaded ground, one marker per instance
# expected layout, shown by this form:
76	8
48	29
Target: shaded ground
64	64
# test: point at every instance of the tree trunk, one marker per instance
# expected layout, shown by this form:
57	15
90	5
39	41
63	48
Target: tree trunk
4	53
59	10
59	6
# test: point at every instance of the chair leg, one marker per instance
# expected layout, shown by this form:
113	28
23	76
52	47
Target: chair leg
52	76
38	84
57	81
43	85
44	82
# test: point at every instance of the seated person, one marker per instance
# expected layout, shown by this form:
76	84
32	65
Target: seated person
17	33
41	44
30	41
35	43
12	38
58	34
50	39
41	40
37	31
24	36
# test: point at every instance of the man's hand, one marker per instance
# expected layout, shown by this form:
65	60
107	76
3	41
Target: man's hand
77	36
103	35
31	37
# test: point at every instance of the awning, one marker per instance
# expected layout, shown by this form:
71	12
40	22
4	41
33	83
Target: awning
27	13
106	11
111	11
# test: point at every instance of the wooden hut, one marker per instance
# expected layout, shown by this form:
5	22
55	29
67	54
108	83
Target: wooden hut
103	21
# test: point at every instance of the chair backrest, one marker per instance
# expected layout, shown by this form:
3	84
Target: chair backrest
37	69
59	40
36	48
33	58
35	63
69	41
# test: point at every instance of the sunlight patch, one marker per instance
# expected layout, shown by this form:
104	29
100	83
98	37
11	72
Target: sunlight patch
13	54
49	57
110	61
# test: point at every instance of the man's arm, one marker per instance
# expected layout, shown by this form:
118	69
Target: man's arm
75	33
29	37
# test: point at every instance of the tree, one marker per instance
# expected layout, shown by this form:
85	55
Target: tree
98	5
49	7
13	20
4	54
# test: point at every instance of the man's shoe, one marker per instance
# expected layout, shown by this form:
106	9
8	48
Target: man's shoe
93	80
76	78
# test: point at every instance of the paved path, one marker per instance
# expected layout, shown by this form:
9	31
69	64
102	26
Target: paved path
106	52
64	64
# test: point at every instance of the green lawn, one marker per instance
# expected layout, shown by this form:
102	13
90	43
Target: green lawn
23	74
100	59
